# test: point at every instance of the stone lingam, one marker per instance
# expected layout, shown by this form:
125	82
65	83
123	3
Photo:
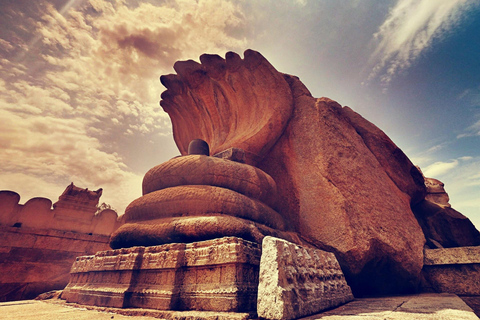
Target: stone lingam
262	161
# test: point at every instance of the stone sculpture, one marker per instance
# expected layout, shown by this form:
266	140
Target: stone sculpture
288	165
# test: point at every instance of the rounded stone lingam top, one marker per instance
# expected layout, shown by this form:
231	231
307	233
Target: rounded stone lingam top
198	146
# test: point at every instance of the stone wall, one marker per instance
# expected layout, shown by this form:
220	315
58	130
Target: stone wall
34	260
40	241
71	214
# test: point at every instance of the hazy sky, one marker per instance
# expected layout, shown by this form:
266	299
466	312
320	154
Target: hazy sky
80	90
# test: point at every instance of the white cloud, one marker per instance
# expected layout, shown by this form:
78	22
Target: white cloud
439	168
471	131
409	30
6	45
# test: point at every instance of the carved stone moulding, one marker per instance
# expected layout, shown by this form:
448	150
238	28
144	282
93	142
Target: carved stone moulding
216	275
297	281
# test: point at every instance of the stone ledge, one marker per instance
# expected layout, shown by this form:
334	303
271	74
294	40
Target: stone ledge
55	233
447	256
414	307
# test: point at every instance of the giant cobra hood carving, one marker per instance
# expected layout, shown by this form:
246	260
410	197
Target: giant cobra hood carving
228	103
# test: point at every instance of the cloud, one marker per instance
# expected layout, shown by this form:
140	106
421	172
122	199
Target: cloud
439	168
57	151
89	79
409	30
471	131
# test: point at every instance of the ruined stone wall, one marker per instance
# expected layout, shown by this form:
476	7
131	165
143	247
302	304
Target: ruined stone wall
39	243
38	213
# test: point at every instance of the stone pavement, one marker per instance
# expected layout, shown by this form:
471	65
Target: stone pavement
431	306
414	307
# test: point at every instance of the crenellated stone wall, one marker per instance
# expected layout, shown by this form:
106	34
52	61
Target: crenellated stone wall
76	210
39	243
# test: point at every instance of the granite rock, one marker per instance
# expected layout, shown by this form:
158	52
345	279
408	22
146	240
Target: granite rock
298	281
453	270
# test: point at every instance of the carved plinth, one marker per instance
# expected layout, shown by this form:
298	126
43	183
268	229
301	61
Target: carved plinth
296	281
213	275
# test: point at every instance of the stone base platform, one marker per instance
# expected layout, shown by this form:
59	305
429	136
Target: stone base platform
222	275
217	275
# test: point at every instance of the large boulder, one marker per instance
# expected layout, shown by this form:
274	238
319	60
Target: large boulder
347	188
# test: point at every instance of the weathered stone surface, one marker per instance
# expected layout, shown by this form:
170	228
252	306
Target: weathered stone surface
239	103
189	229
234	154
298	281
453	270
201	200
342	184
218	275
337	193
413	307
436	192
196	198
34	260
212	171
444	226
460	255
60	310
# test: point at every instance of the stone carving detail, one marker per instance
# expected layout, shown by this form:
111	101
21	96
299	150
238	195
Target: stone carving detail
217	275
250	117
341	182
197	197
291	166
298	281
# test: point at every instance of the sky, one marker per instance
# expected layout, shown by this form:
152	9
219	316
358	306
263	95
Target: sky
80	89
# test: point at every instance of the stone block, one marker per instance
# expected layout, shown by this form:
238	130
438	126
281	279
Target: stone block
298	281
453	270
214	275
459	255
